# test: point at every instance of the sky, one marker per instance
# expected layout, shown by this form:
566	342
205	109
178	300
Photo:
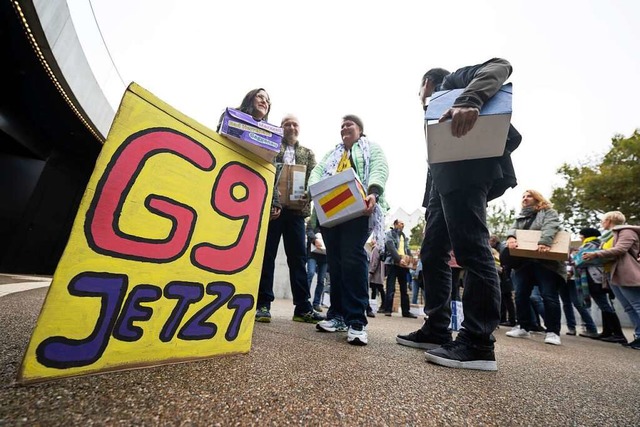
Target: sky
575	69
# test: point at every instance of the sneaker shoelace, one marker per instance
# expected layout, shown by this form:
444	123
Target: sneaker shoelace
449	345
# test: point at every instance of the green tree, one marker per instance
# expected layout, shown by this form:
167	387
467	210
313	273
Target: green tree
417	233
500	219
609	184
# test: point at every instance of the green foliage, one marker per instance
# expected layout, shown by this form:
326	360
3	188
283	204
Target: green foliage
417	233
608	185
500	219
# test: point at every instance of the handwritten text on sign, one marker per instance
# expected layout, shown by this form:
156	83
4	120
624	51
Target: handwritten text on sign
161	265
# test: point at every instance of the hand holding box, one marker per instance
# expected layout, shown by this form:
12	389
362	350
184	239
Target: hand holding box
486	139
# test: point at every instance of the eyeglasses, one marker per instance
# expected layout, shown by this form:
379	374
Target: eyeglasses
264	98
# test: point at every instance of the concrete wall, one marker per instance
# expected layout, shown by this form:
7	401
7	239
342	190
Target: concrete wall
281	284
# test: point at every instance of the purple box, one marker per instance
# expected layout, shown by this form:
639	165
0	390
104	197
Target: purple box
261	138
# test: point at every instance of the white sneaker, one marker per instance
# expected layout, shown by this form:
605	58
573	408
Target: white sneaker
356	337
552	338
331	325
517	332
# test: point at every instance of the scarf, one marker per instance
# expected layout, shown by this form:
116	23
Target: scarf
527	213
607	243
605	238
376	220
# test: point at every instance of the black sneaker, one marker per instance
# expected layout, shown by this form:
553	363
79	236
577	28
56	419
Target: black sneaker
409	315
618	339
263	315
462	356
419	339
310	317
635	344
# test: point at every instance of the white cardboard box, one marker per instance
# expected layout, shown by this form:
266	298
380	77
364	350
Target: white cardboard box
528	245
487	138
338	198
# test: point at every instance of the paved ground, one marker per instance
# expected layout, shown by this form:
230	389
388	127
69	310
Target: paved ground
296	376
17	283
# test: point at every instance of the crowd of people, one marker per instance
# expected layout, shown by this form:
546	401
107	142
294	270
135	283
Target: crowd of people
455	199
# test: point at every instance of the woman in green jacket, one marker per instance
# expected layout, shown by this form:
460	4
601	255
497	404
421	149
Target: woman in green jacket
346	256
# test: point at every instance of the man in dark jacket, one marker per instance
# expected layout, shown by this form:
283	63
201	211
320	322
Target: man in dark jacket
456	200
288	223
397	248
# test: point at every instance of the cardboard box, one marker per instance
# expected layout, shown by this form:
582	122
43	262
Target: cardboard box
411	262
291	185
528	245
323	249
338	198
261	138
487	138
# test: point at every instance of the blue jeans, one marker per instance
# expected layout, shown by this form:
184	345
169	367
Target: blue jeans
348	269
396	272
536	310
458	220
549	282
291	228
629	297
537	305
569	297
313	266
415	291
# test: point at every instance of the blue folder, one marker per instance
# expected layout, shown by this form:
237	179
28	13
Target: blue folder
500	103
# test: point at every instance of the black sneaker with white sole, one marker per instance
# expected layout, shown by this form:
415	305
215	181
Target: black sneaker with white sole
462	356
419	339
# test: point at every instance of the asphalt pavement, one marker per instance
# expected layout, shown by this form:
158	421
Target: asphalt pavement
294	375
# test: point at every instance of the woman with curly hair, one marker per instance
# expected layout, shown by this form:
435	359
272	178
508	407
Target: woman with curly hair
548	275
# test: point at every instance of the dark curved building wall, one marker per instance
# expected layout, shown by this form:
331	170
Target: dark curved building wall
47	152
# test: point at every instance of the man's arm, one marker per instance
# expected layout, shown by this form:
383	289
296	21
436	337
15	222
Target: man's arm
480	82
391	248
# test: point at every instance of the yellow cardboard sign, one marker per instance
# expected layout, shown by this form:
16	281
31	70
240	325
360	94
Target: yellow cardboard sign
164	258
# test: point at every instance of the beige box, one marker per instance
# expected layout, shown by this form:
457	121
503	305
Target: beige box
338	198
528	245
410	262
487	139
291	185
